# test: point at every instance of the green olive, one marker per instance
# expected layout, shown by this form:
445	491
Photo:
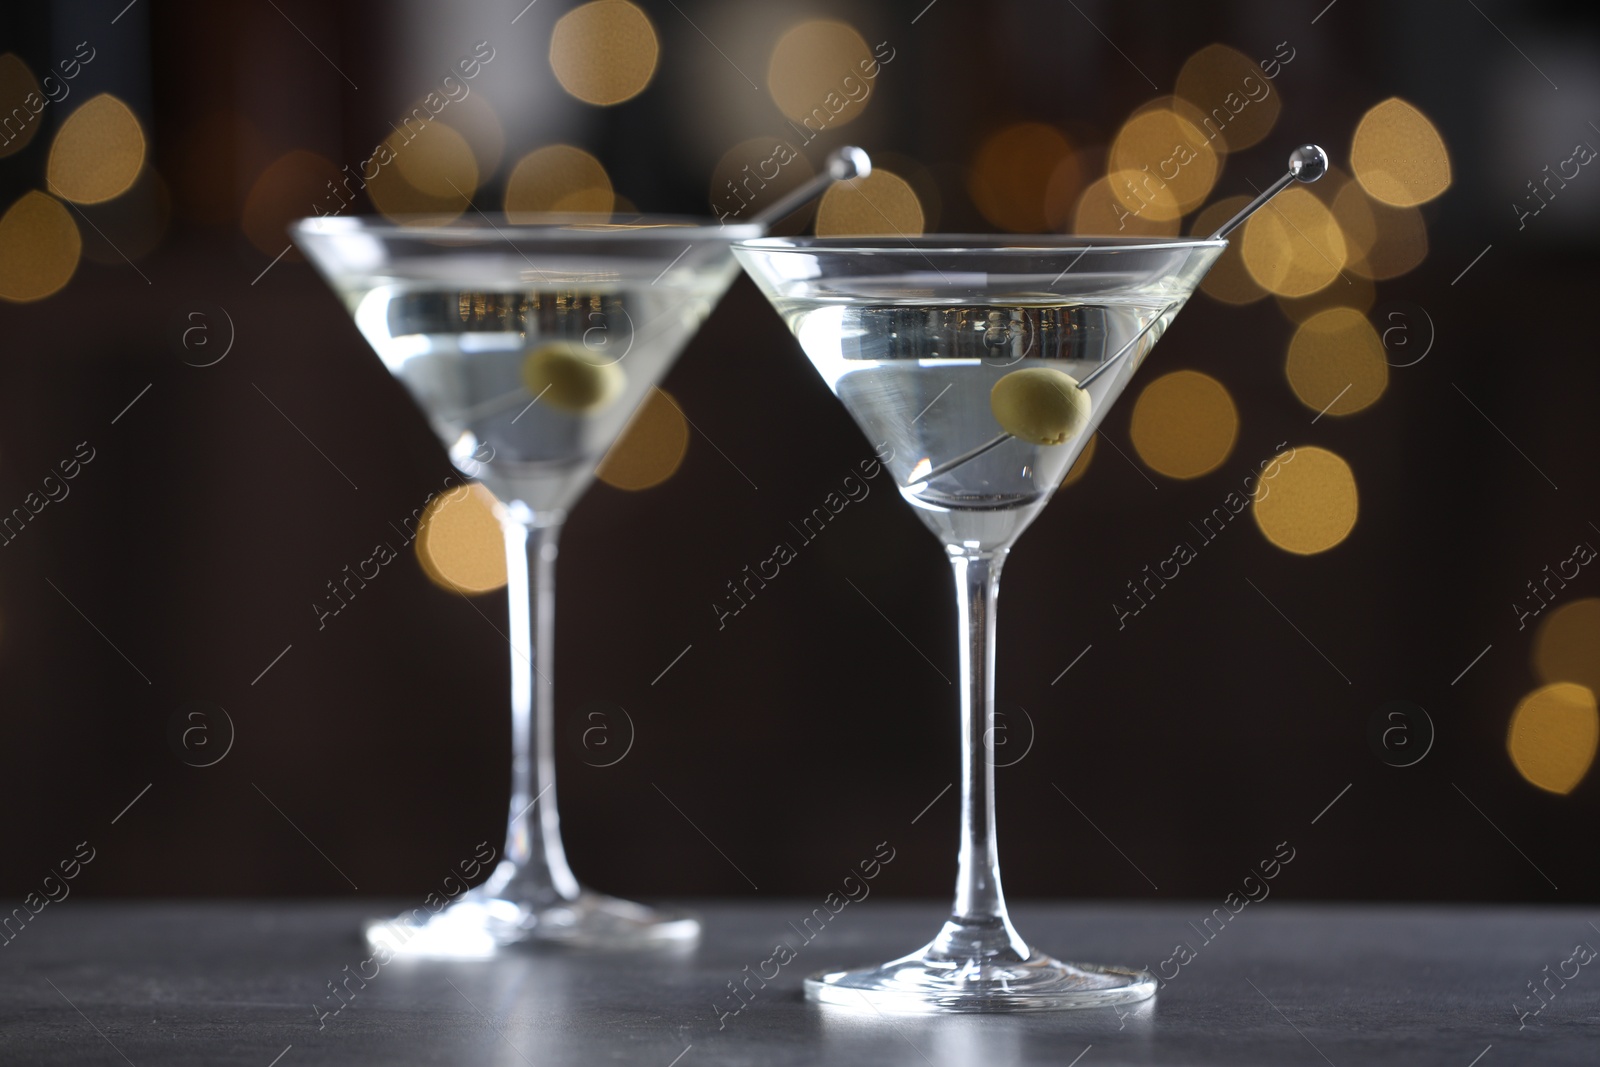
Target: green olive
569	378
1041	405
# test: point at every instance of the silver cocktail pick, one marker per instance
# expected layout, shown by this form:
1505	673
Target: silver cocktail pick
844	164
1306	164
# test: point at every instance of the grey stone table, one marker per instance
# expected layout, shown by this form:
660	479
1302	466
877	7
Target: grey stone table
88	983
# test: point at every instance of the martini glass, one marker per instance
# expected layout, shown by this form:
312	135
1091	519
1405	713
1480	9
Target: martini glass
978	367
528	347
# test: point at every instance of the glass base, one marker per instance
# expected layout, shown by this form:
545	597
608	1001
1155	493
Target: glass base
476	927
926	983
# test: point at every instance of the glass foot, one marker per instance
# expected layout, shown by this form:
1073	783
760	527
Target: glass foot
476	927
925	984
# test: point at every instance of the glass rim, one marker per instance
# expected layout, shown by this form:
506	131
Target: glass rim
572	226
977	243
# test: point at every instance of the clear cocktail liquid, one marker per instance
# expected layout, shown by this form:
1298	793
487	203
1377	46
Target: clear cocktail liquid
461	354
917	379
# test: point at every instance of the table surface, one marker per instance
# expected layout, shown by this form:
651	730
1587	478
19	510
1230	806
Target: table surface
215	983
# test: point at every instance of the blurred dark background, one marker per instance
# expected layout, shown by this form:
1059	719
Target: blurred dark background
1176	752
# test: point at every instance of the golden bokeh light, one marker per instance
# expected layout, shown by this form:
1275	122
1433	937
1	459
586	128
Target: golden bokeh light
1101	214
1228	280
755	173
817	74
651	447
1357	216
474	118
437	153
1063	192
1553	734
924	183
1178	104
882	204
1398	156
459	541
1336	362
1237	103
557	177
283	192
1351	208
39	248
1388	241
439	163
1080	466
604	52
1141	197
1310	504
1294	245
1011	175
1567	646
1351	290
1380	241
1162	165
1184	424
19	120
97	153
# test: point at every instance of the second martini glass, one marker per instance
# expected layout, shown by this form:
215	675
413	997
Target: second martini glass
528	347
979	367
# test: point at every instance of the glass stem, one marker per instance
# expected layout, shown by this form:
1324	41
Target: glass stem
534	868
979	927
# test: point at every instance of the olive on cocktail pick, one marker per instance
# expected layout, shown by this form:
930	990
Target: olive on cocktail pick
569	378
1019	409
1041	405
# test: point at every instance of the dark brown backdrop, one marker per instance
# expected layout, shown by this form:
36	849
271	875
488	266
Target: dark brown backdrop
807	730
